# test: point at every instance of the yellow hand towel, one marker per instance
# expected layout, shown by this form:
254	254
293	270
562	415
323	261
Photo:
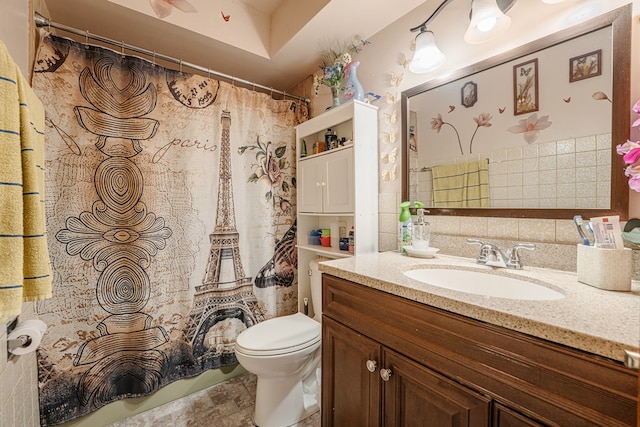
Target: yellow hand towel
25	271
461	185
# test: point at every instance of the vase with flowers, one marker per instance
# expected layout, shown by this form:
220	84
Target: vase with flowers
630	151
334	63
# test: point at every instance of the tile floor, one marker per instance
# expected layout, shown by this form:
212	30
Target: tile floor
229	404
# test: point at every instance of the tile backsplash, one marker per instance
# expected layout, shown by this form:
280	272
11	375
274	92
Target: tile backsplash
555	240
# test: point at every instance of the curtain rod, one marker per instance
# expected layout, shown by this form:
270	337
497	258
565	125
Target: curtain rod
41	21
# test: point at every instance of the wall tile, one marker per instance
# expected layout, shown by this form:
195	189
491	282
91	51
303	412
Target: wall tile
473	227
387	203
536	230
502	228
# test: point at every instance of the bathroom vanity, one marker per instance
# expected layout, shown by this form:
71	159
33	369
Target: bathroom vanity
397	351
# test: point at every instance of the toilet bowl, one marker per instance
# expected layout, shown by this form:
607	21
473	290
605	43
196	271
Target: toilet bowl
284	353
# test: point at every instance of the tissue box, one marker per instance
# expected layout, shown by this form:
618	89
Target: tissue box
609	269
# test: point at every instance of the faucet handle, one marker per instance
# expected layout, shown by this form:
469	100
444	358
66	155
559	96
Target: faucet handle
484	250
514	256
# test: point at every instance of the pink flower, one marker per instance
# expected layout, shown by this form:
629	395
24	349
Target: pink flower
436	123
634	183
483	120
632	155
531	127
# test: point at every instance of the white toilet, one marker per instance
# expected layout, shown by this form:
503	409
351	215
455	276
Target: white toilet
284	353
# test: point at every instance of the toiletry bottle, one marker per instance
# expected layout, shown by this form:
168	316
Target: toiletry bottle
404	226
352	240
330	139
420	232
303	148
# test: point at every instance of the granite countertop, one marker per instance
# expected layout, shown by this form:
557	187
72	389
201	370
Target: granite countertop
594	320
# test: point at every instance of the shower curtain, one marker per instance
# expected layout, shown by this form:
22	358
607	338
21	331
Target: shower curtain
170	218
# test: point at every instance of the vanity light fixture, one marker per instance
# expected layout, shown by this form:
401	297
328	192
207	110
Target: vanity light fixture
488	21
427	56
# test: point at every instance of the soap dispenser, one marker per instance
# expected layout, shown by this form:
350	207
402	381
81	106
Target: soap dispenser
420	232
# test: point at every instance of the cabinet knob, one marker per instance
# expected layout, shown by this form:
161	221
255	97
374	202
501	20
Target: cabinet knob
385	374
372	365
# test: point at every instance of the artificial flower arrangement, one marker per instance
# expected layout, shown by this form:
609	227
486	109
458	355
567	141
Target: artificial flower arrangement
334	63
630	151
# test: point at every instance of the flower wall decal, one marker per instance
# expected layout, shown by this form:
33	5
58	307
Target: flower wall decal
531	127
437	123
483	120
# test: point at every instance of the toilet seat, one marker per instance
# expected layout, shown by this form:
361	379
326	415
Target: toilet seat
280	335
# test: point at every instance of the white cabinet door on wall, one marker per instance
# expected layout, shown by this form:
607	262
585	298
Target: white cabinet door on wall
326	183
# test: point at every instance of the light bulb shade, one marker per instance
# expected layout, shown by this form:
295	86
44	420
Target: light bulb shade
427	56
487	22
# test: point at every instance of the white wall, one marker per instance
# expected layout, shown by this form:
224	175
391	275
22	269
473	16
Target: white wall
383	71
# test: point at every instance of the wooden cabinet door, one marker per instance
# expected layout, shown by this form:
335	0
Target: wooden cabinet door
350	392
505	417
417	396
310	184
339	179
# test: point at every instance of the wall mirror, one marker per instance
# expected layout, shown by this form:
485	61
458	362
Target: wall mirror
537	125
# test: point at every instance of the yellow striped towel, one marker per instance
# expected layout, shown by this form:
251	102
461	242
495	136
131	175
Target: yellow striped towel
25	270
461	185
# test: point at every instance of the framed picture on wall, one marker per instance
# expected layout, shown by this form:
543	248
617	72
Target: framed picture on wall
469	94
525	87
585	66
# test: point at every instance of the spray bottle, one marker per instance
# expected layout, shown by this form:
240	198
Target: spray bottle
404	225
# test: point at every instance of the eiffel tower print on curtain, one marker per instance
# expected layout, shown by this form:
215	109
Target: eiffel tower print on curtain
225	303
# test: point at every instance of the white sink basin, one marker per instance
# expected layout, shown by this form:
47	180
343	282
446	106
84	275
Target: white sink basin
481	283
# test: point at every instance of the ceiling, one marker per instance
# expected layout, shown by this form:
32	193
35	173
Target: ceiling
275	43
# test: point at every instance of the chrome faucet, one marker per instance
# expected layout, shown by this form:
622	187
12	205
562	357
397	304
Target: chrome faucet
491	255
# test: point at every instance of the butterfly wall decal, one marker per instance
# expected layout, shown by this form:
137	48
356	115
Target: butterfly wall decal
567	100
163	8
225	17
389	157
391	99
501	110
389	174
451	108
396	79
389	137
390	118
404	61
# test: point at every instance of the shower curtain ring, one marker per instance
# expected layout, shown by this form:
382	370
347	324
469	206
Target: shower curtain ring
153	62
86	39
208	73
233	81
181	66
122	49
